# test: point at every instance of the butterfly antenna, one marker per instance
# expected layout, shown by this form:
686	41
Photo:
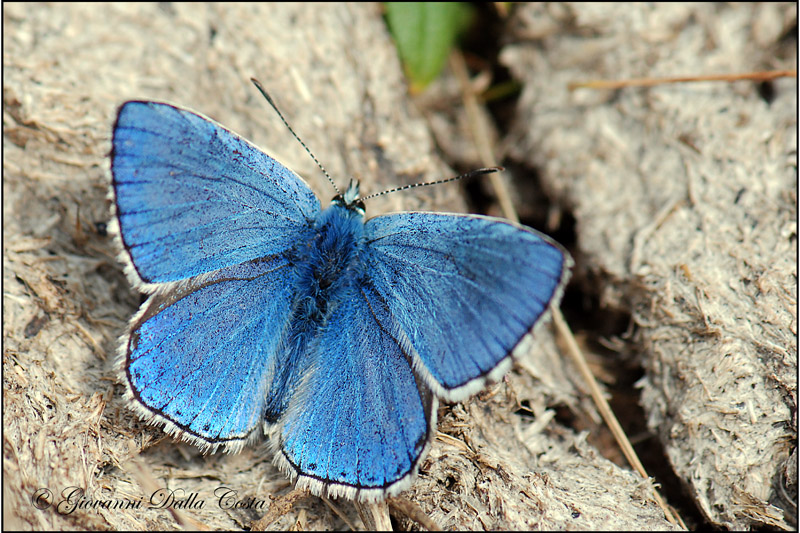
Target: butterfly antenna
285	123
470	174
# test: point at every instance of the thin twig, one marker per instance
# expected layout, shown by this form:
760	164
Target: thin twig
602	405
414	512
650	82
480	133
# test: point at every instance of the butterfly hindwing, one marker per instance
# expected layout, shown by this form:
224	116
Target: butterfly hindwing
361	420
192	197
463	289
201	357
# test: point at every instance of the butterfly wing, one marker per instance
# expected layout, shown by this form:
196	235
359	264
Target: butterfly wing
192	197
463	291
200	358
197	203
361	420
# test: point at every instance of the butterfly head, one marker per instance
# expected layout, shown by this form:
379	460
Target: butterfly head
350	199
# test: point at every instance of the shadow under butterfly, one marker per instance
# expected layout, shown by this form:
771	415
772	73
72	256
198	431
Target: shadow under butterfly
333	335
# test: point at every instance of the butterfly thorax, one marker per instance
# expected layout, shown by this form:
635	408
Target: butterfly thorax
335	250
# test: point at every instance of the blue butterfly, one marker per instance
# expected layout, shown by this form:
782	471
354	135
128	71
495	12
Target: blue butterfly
332	335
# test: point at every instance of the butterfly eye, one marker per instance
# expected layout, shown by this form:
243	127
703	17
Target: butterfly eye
356	204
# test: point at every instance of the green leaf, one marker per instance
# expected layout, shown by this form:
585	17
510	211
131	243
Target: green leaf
424	33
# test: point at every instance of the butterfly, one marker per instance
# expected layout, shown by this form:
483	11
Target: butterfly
332	335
